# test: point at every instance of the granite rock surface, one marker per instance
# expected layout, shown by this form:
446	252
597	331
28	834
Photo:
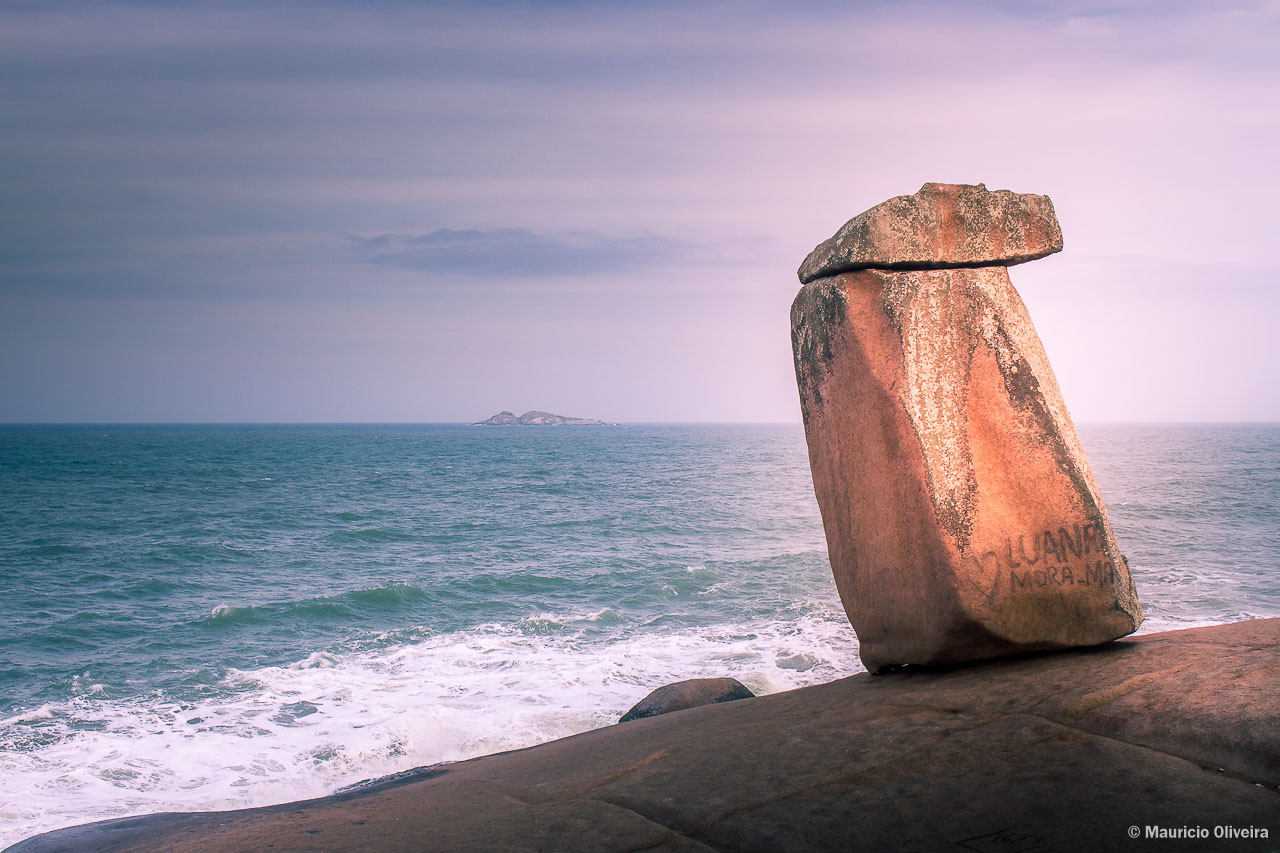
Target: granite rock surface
941	226
962	518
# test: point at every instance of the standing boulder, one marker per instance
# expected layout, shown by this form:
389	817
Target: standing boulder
962	519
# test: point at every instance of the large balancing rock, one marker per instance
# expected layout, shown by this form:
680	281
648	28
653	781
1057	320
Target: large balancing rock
962	519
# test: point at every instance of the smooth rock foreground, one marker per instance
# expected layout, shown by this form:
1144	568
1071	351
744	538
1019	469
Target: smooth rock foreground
1065	752
962	518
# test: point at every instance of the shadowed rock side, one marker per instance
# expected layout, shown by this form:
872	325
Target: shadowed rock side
942	225
1060	752
962	518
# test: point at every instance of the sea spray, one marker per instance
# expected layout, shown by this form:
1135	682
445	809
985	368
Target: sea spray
303	730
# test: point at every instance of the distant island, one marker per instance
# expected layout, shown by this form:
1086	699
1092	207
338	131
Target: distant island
536	419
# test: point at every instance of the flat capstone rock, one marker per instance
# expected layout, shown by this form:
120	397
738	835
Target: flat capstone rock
939	227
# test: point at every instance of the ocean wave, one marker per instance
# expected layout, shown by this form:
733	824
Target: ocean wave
340	605
57	549
225	614
548	623
290	732
396	593
156	587
372	535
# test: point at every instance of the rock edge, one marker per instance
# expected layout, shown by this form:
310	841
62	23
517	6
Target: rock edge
941	226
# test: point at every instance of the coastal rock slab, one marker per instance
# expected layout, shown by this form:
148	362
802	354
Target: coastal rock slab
962	518
687	694
1049	753
941	226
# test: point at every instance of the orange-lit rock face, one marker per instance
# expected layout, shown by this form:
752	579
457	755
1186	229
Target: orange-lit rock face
962	518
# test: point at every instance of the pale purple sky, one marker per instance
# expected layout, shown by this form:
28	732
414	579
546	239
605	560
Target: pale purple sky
398	212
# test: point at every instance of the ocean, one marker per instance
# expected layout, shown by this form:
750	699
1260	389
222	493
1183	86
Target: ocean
212	617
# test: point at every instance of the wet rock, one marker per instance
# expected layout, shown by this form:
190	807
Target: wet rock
941	226
687	694
963	521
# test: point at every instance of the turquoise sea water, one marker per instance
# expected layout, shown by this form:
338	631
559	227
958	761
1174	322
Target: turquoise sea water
204	617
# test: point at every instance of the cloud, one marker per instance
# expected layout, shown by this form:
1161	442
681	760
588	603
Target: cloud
517	253
164	162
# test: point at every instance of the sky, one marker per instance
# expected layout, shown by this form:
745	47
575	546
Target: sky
374	212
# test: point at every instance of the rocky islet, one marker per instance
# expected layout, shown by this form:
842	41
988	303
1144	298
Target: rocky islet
536	418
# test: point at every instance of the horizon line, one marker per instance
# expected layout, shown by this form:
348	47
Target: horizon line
90	423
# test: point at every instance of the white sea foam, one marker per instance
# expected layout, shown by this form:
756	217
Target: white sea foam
305	730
